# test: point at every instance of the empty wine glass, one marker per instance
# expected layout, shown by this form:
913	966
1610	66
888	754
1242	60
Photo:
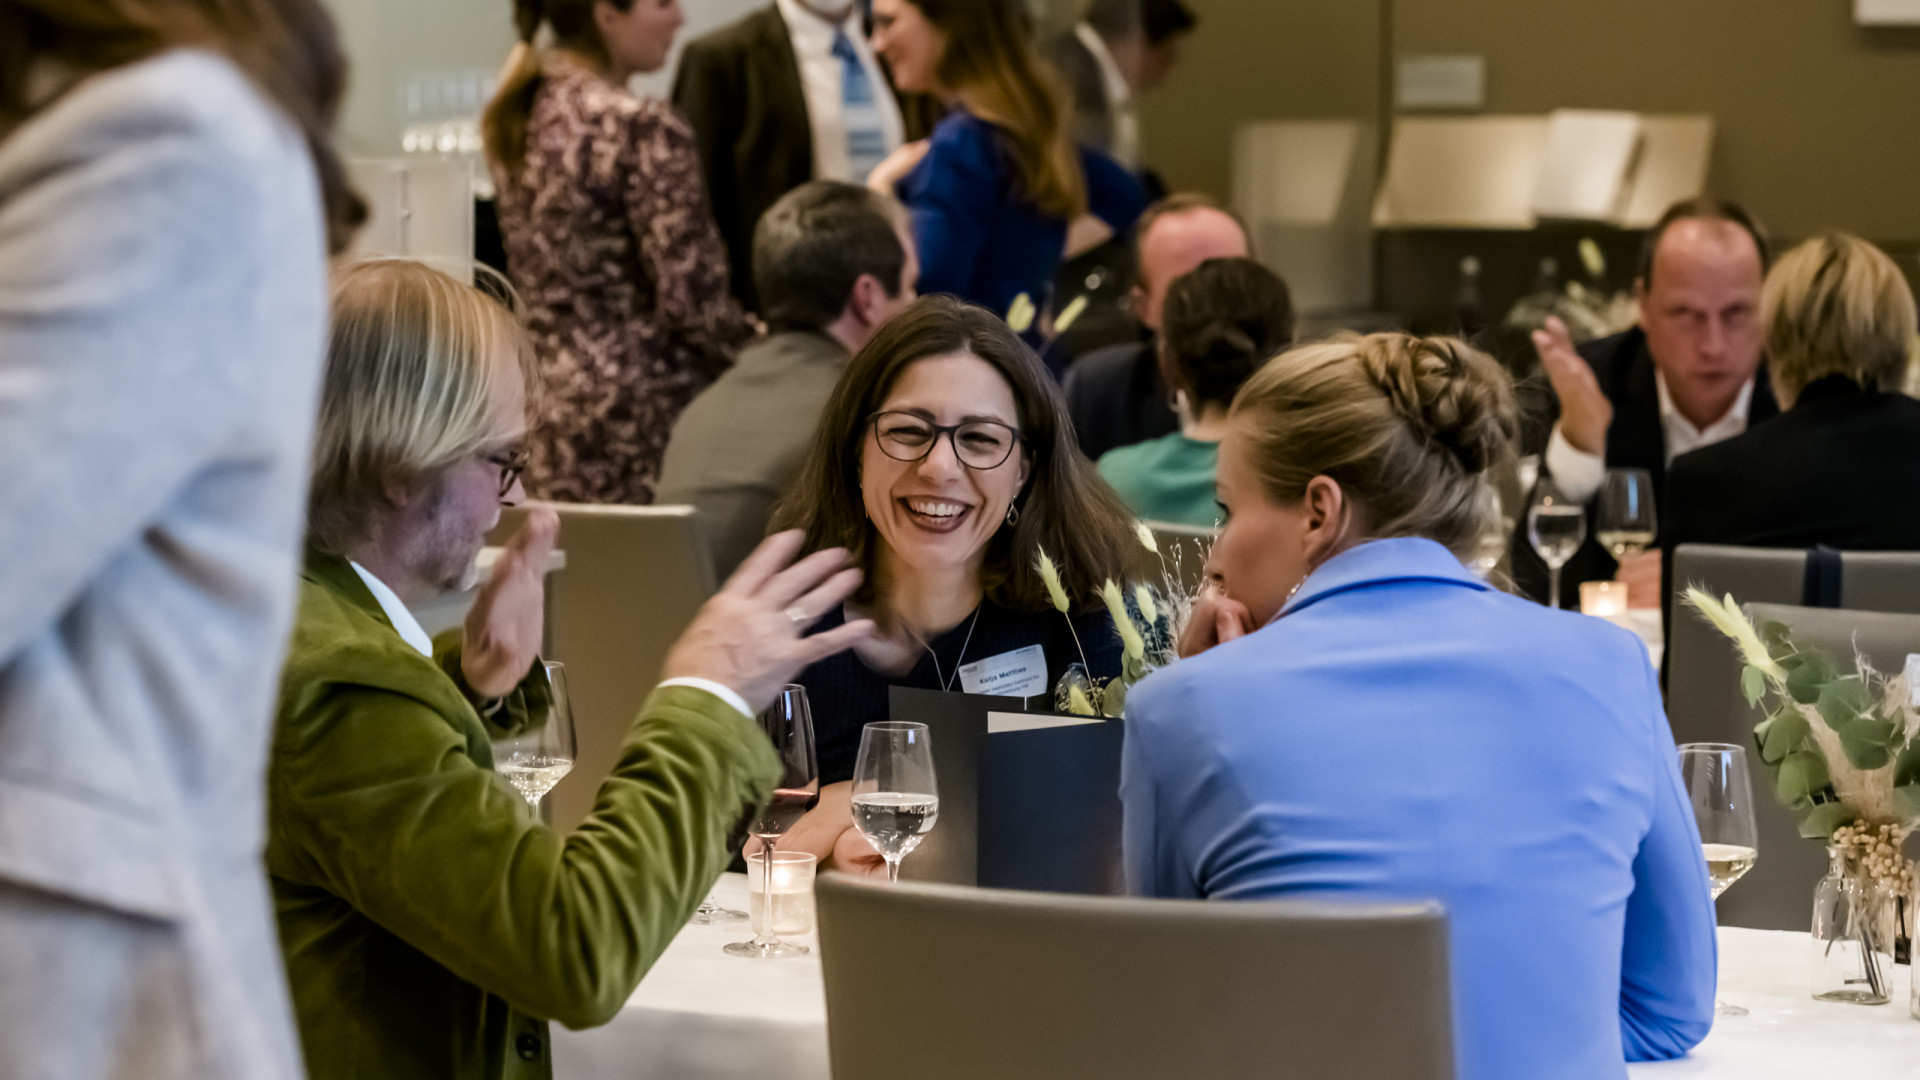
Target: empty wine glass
1627	523
788	724
895	799
534	758
1556	527
1715	775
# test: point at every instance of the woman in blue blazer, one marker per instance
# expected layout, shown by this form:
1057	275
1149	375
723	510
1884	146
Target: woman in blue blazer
999	192
1359	716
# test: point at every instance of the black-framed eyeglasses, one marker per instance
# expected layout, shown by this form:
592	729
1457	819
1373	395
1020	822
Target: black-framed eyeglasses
511	464
977	444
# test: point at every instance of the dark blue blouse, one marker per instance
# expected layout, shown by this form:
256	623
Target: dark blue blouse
979	237
846	695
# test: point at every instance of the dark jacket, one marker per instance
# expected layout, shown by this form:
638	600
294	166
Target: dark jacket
1116	398
739	86
1636	440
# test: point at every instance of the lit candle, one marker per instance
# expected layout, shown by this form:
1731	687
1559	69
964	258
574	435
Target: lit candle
1603	598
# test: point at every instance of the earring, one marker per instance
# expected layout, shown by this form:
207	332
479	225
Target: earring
1013	514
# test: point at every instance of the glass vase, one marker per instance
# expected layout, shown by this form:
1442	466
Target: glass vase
1853	932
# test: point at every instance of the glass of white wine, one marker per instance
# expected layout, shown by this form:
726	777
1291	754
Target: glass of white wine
534	758
895	799
1556	527
1627	523
1715	775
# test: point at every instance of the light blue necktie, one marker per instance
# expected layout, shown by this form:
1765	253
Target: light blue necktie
859	112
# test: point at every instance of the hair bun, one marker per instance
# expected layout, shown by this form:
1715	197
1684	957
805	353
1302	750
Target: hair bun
1450	394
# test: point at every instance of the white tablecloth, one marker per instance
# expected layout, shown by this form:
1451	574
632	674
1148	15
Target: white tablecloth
703	1015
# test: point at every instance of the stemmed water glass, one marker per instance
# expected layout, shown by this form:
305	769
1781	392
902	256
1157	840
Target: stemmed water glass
1556	527
1715	775
535	758
1627	523
788	723
895	799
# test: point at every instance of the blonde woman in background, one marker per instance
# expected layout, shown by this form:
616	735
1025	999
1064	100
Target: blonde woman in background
1841	466
611	242
1359	717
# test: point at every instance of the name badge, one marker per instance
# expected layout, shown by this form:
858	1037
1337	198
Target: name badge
1020	673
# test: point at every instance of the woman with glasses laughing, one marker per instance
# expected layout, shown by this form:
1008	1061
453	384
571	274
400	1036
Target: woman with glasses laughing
945	462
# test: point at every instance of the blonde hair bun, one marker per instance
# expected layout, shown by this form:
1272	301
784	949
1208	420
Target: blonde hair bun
1447	392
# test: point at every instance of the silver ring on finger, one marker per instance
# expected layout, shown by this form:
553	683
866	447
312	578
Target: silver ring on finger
801	620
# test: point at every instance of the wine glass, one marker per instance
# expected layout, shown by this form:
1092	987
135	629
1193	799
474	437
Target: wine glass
534	758
788	723
895	800
1626	523
1715	775
1556	527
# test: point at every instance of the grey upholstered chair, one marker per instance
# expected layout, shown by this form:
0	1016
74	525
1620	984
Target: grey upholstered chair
635	576
943	982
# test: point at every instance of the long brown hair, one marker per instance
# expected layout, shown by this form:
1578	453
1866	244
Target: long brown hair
288	49
991	66
504	125
1065	510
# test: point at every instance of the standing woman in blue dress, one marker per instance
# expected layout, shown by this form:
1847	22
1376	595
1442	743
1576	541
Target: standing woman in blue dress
1359	717
999	192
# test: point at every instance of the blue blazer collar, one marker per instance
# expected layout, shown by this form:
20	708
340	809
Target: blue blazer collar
1379	562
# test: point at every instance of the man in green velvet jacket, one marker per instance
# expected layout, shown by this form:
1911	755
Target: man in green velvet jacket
432	925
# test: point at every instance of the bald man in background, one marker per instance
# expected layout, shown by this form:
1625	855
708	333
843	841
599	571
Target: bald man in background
1688	375
1115	395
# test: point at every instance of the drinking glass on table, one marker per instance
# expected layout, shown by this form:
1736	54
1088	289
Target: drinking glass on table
895	799
1715	775
1556	527
1626	522
535	758
788	724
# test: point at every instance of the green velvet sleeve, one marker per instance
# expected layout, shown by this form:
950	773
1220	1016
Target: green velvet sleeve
377	796
527	703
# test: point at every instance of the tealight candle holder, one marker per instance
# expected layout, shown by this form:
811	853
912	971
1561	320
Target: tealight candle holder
792	892
1603	598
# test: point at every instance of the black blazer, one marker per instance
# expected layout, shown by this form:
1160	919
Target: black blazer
1636	440
1115	398
739	86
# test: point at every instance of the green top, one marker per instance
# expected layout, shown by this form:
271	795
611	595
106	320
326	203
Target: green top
1166	479
431	923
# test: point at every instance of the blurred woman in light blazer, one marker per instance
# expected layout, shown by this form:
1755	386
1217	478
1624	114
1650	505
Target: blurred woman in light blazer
1361	717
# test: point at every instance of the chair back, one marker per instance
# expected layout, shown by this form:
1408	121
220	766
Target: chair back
1703	674
1183	554
635	576
1880	581
1038	986
1777	894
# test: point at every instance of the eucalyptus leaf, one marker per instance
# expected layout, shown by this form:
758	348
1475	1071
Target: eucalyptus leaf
1782	735
1810	676
1753	683
1114	700
1842	701
1819	822
1778	639
1906	768
1800	775
1868	741
1906	801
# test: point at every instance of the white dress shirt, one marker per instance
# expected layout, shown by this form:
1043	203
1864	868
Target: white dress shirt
812	37
1126	122
1579	474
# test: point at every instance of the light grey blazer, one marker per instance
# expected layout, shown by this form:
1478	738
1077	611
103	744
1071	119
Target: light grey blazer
162	322
738	447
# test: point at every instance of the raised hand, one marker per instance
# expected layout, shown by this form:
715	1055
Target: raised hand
1585	412
748	636
503	628
1216	618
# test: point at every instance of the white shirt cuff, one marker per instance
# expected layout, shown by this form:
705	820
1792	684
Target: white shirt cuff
1576	473
724	693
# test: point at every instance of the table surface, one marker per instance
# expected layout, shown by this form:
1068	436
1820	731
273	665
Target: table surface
703	1015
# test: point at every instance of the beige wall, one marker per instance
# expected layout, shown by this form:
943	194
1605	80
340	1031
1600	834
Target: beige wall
1819	120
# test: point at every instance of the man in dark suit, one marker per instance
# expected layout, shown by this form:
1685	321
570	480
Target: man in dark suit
1121	50
1841	467
1115	395
1688	375
790	93
833	262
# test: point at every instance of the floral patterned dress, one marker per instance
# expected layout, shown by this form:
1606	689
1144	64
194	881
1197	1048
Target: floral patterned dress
613	248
